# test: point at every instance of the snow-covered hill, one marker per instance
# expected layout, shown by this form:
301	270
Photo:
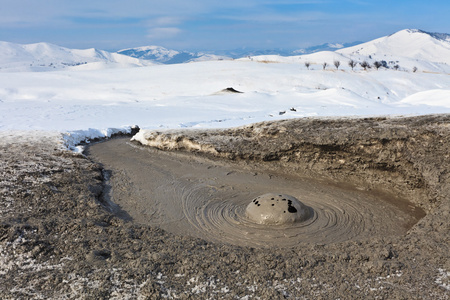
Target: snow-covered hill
48	57
410	43
407	50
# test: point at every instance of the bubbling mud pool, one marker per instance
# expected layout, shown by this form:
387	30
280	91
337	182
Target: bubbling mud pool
191	195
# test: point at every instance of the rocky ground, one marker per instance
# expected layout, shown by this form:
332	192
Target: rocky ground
59	240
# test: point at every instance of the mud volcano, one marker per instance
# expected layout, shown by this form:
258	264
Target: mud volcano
193	195
277	209
91	227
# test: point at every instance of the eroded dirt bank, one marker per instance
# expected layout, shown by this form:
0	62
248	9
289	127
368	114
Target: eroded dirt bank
58	239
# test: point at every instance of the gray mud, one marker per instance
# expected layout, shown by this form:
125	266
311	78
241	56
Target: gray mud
190	195
63	236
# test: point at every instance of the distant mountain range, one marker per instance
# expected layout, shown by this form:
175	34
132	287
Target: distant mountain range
168	56
410	46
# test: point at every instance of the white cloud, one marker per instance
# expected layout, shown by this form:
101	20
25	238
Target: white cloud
166	21
164	27
163	32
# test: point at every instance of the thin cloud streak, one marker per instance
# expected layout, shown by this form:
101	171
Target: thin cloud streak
163	32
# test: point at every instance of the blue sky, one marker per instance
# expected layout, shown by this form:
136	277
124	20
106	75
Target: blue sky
214	25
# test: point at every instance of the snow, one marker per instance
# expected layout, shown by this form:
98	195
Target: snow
443	280
49	57
414	44
111	92
407	48
72	139
431	97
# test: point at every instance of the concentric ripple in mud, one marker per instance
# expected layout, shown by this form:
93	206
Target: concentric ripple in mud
197	197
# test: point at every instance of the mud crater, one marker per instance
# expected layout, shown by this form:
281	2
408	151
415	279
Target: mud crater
190	194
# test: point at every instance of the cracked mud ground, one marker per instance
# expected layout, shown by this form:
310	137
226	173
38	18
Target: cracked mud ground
60	239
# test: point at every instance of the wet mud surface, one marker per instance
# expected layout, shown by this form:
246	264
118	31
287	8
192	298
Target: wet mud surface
193	196
67	230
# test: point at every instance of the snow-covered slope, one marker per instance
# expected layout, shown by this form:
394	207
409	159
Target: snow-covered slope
47	57
409	49
188	95
410	43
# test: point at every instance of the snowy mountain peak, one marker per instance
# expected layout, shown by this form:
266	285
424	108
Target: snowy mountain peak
410	30
417	33
436	35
